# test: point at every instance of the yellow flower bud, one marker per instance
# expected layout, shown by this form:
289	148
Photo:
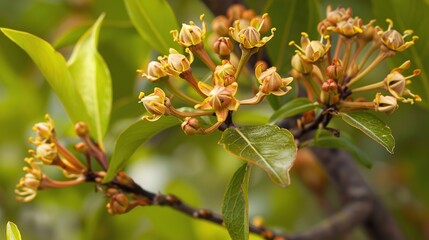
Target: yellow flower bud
154	104
190	34
271	81
46	152
386	104
154	71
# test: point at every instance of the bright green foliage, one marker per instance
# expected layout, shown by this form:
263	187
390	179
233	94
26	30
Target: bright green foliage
131	138
54	68
326	139
12	231
92	78
292	108
153	20
83	84
235	208
372	127
269	147
409	15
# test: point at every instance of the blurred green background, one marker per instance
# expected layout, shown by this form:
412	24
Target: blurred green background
194	168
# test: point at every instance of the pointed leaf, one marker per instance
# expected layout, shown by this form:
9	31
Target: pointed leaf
269	147
409	15
12	231
134	136
292	108
326	139
372	127
92	79
235	207
153	20
54	68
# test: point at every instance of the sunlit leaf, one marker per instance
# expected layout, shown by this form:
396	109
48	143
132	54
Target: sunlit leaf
131	138
235	207
269	147
92	79
290	18
372	127
153	20
54	68
12	231
409	15
292	108
326	139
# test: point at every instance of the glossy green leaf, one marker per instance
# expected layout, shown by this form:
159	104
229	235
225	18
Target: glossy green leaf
92	79
292	108
153	20
409	15
372	127
235	207
326	139
290	18
12	231
269	147
131	138
54	68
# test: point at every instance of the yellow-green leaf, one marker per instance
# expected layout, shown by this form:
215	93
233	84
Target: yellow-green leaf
269	147
92	78
153	20
12	231
131	138
235	207
53	67
372	127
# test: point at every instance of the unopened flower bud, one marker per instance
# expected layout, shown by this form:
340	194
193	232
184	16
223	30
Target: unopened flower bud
191	126
81	129
118	204
300	65
46	152
338	15
248	14
386	104
223	47
335	70
235	11
329	85
220	25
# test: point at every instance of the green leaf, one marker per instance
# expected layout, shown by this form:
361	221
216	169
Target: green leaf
290	18
12	231
269	147
235	207
153	20
54	68
92	78
372	127
326	139
292	108
130	139
409	15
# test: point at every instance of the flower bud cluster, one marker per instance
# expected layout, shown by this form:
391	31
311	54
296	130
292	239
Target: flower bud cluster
329	74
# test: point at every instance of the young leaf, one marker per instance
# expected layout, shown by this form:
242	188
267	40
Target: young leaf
153	20
130	139
54	68
92	79
235	207
371	126
12	231
292	108
326	139
269	147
